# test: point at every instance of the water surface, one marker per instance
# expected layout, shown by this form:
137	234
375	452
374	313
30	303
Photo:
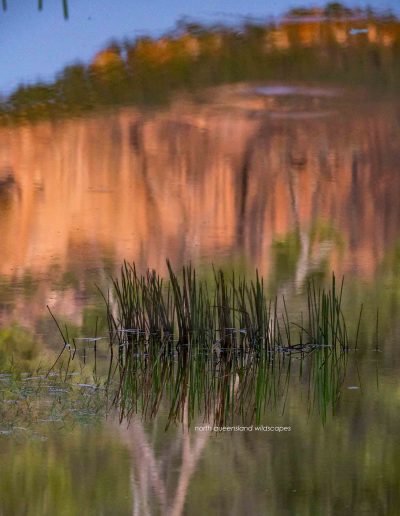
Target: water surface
295	182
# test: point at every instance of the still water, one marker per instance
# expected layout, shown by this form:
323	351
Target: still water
295	182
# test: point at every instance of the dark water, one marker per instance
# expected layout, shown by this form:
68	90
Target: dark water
294	182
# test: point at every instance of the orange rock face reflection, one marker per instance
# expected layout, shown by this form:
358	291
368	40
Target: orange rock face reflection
200	182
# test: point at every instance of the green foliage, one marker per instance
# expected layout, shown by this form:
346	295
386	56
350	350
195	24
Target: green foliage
285	253
226	389
336	9
17	346
149	71
227	310
65	474
215	343
219	344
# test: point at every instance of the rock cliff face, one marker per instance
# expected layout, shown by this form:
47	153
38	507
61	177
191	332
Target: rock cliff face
201	182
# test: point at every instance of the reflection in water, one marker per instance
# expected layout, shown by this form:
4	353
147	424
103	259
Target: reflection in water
244	181
205	183
228	390
179	472
276	91
309	469
51	474
357	47
219	348
148	474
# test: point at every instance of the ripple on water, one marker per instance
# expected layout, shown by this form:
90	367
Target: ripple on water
280	90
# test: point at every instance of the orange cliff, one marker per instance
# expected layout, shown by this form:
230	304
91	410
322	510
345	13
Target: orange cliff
197	182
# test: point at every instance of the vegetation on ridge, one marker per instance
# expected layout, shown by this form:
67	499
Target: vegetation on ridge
335	44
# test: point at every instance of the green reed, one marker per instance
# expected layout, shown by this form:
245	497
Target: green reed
220	348
226	313
216	349
226	390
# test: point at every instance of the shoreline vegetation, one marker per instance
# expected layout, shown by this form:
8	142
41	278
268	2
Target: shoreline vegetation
214	346
335	45
222	312
192	345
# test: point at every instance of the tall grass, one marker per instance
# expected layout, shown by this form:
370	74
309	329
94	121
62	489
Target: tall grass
225	390
228	313
220	348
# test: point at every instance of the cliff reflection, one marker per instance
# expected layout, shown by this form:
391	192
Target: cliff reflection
205	183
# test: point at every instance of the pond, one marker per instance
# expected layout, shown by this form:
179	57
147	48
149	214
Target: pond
294	182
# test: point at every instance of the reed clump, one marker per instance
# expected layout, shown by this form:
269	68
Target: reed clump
238	388
217	347
220	349
228	313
